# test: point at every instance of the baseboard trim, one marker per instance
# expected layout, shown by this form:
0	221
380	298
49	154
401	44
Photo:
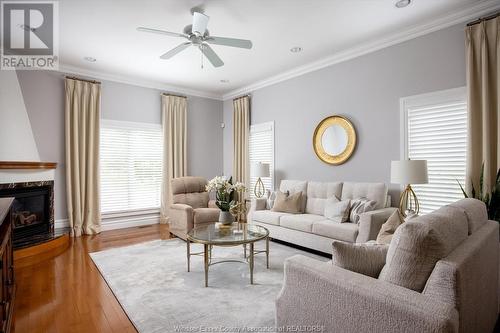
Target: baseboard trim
129	222
118	222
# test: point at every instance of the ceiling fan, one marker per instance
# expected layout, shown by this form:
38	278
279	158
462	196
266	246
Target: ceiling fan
198	35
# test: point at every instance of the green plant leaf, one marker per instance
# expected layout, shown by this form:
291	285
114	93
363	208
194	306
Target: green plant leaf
481	180
461	187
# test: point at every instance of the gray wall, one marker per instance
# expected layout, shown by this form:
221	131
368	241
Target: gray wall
367	90
43	94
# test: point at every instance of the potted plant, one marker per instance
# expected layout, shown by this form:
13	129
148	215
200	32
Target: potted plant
225	196
492	200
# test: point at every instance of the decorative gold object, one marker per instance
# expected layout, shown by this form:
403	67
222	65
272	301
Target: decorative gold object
259	188
408	202
334	140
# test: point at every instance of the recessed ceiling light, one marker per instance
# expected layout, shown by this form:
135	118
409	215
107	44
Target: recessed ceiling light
402	3
296	49
224	81
89	59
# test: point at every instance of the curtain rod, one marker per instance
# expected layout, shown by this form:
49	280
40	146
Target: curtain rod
481	19
78	79
247	95
165	94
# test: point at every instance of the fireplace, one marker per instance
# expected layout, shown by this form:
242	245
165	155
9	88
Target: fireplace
33	211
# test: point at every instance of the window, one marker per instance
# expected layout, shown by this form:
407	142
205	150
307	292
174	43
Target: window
262	150
131	166
435	129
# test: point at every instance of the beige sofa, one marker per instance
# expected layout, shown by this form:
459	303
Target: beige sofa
459	292
313	230
190	205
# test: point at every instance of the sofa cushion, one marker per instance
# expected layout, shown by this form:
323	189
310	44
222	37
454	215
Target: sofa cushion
188	185
341	231
205	215
302	222
337	211
372	191
294	186
364	258
268	216
318	193
190	191
418	244
475	210
288	203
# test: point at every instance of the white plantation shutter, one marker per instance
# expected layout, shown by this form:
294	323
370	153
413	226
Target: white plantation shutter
261	149
131	159
437	132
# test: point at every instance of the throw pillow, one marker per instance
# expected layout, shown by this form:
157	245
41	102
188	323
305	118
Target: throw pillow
288	203
389	228
270	200
360	206
366	259
337	211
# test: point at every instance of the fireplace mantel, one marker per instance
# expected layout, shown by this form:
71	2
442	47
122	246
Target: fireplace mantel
23	165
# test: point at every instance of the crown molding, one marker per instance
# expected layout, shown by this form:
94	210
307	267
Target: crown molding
67	69
457	17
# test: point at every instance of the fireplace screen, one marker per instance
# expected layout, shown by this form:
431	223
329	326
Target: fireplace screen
30	208
33	211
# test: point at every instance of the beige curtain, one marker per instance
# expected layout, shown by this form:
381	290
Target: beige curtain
82	117
241	135
483	73
174	120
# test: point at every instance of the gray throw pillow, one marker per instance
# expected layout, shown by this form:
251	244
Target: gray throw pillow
364	258
360	206
337	211
270	200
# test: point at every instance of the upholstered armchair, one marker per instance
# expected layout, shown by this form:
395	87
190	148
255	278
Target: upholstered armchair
190	206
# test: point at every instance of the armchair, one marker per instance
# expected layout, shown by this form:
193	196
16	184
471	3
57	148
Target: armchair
190	205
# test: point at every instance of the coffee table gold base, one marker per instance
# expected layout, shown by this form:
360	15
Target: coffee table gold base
207	257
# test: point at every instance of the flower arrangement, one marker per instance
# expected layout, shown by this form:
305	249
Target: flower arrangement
224	192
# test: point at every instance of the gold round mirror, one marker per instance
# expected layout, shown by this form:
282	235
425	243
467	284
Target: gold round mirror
334	140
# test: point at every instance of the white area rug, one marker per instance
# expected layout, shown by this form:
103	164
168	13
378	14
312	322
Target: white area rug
152	284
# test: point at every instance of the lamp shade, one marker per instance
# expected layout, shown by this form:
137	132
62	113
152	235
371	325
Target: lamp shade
261	169
409	172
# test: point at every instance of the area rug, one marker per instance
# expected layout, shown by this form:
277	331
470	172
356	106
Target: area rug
152	284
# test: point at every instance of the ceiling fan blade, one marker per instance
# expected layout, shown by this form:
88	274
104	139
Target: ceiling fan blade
175	50
234	42
211	55
200	22
161	32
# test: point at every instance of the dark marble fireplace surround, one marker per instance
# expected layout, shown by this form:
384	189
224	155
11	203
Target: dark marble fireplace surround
33	211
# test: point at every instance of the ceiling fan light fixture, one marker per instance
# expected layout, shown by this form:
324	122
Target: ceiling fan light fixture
200	22
224	81
90	59
296	49
402	3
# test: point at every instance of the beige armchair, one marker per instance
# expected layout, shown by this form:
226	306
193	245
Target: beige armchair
190	205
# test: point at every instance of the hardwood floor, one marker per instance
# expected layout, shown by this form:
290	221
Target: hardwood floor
68	294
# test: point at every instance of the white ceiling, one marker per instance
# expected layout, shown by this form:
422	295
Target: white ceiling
106	30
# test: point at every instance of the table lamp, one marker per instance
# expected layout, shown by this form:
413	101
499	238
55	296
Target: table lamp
409	172
261	170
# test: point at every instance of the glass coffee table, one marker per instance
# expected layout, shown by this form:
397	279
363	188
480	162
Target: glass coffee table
235	234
